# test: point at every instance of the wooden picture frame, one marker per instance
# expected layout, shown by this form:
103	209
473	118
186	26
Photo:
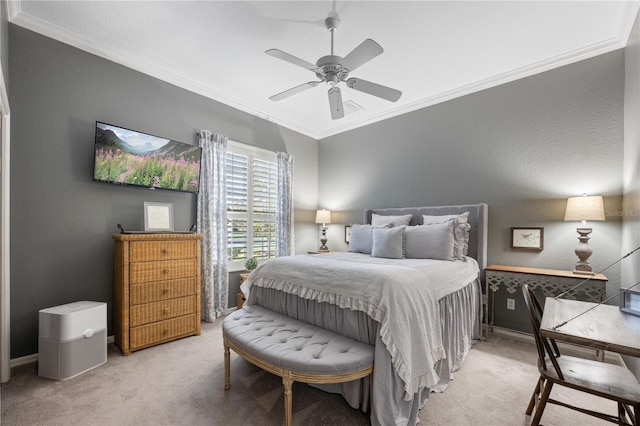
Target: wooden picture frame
347	234
158	217
528	238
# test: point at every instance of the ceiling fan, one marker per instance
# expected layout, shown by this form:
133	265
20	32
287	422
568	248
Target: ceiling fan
334	69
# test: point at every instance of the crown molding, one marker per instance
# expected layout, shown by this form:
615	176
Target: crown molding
631	9
135	63
14	7
44	28
477	86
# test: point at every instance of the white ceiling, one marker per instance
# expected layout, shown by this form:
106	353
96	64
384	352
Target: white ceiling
433	50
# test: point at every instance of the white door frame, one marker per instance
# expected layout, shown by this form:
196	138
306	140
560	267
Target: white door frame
5	298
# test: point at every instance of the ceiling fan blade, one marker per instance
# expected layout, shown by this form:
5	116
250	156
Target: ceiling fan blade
292	59
335	103
290	92
374	89
366	51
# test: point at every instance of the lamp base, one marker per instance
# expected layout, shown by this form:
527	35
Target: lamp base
323	241
583	251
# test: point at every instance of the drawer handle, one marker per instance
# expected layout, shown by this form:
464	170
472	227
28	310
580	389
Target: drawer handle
165	332
165	312
165	291
165	251
165	271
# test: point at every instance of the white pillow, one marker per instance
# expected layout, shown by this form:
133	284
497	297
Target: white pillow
430	242
379	219
388	243
429	219
461	236
361	238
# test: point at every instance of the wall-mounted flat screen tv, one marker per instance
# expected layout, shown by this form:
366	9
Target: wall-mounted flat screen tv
128	157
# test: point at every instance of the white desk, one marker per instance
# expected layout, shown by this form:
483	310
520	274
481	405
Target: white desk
604	328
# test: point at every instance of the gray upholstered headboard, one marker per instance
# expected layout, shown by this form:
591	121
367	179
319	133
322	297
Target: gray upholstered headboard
478	219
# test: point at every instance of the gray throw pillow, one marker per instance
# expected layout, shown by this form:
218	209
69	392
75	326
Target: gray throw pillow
388	243
460	230
430	241
361	238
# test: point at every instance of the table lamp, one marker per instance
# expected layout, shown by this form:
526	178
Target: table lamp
583	209
324	217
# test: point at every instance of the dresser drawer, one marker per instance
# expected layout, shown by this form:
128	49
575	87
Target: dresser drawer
144	272
162	290
158	332
142	251
159	311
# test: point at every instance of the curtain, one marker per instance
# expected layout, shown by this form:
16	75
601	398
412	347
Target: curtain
212	224
284	210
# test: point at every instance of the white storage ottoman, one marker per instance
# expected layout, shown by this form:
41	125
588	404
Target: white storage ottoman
72	339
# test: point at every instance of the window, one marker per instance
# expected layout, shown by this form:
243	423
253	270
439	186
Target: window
251	176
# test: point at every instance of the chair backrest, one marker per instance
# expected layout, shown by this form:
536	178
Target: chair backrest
546	347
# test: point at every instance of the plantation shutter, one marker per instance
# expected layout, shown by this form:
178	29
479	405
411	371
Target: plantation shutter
237	182
251	205
264	182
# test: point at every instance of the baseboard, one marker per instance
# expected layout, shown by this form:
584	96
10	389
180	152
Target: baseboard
505	332
23	360
28	359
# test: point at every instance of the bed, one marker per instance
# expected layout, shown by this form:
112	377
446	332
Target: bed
413	289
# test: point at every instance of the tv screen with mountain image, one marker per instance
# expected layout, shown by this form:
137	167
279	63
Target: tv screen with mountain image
128	157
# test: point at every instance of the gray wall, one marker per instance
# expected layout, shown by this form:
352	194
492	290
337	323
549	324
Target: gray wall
631	179
522	147
62	221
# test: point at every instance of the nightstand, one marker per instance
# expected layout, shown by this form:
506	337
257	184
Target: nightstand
552	282
240	296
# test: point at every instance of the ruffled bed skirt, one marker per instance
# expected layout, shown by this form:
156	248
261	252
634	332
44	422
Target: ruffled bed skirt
461	319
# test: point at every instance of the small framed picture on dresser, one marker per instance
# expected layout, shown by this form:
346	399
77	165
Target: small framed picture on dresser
158	217
527	238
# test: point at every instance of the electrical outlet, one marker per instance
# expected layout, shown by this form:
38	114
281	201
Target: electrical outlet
511	304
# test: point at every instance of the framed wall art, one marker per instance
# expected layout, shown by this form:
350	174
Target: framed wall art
527	238
158	217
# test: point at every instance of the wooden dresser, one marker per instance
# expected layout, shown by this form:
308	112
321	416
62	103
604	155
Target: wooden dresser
157	289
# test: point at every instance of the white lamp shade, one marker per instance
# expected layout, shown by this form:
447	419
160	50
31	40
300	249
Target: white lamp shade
323	216
584	208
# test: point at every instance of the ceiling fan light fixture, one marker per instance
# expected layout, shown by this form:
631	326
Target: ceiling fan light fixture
334	69
331	79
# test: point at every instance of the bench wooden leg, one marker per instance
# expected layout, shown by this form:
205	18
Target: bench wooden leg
227	368
287	382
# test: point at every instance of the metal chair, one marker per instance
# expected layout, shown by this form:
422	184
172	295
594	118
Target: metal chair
608	381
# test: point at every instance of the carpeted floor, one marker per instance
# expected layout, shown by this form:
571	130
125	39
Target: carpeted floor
182	382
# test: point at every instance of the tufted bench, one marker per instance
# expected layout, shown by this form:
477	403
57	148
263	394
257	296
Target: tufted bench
293	350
